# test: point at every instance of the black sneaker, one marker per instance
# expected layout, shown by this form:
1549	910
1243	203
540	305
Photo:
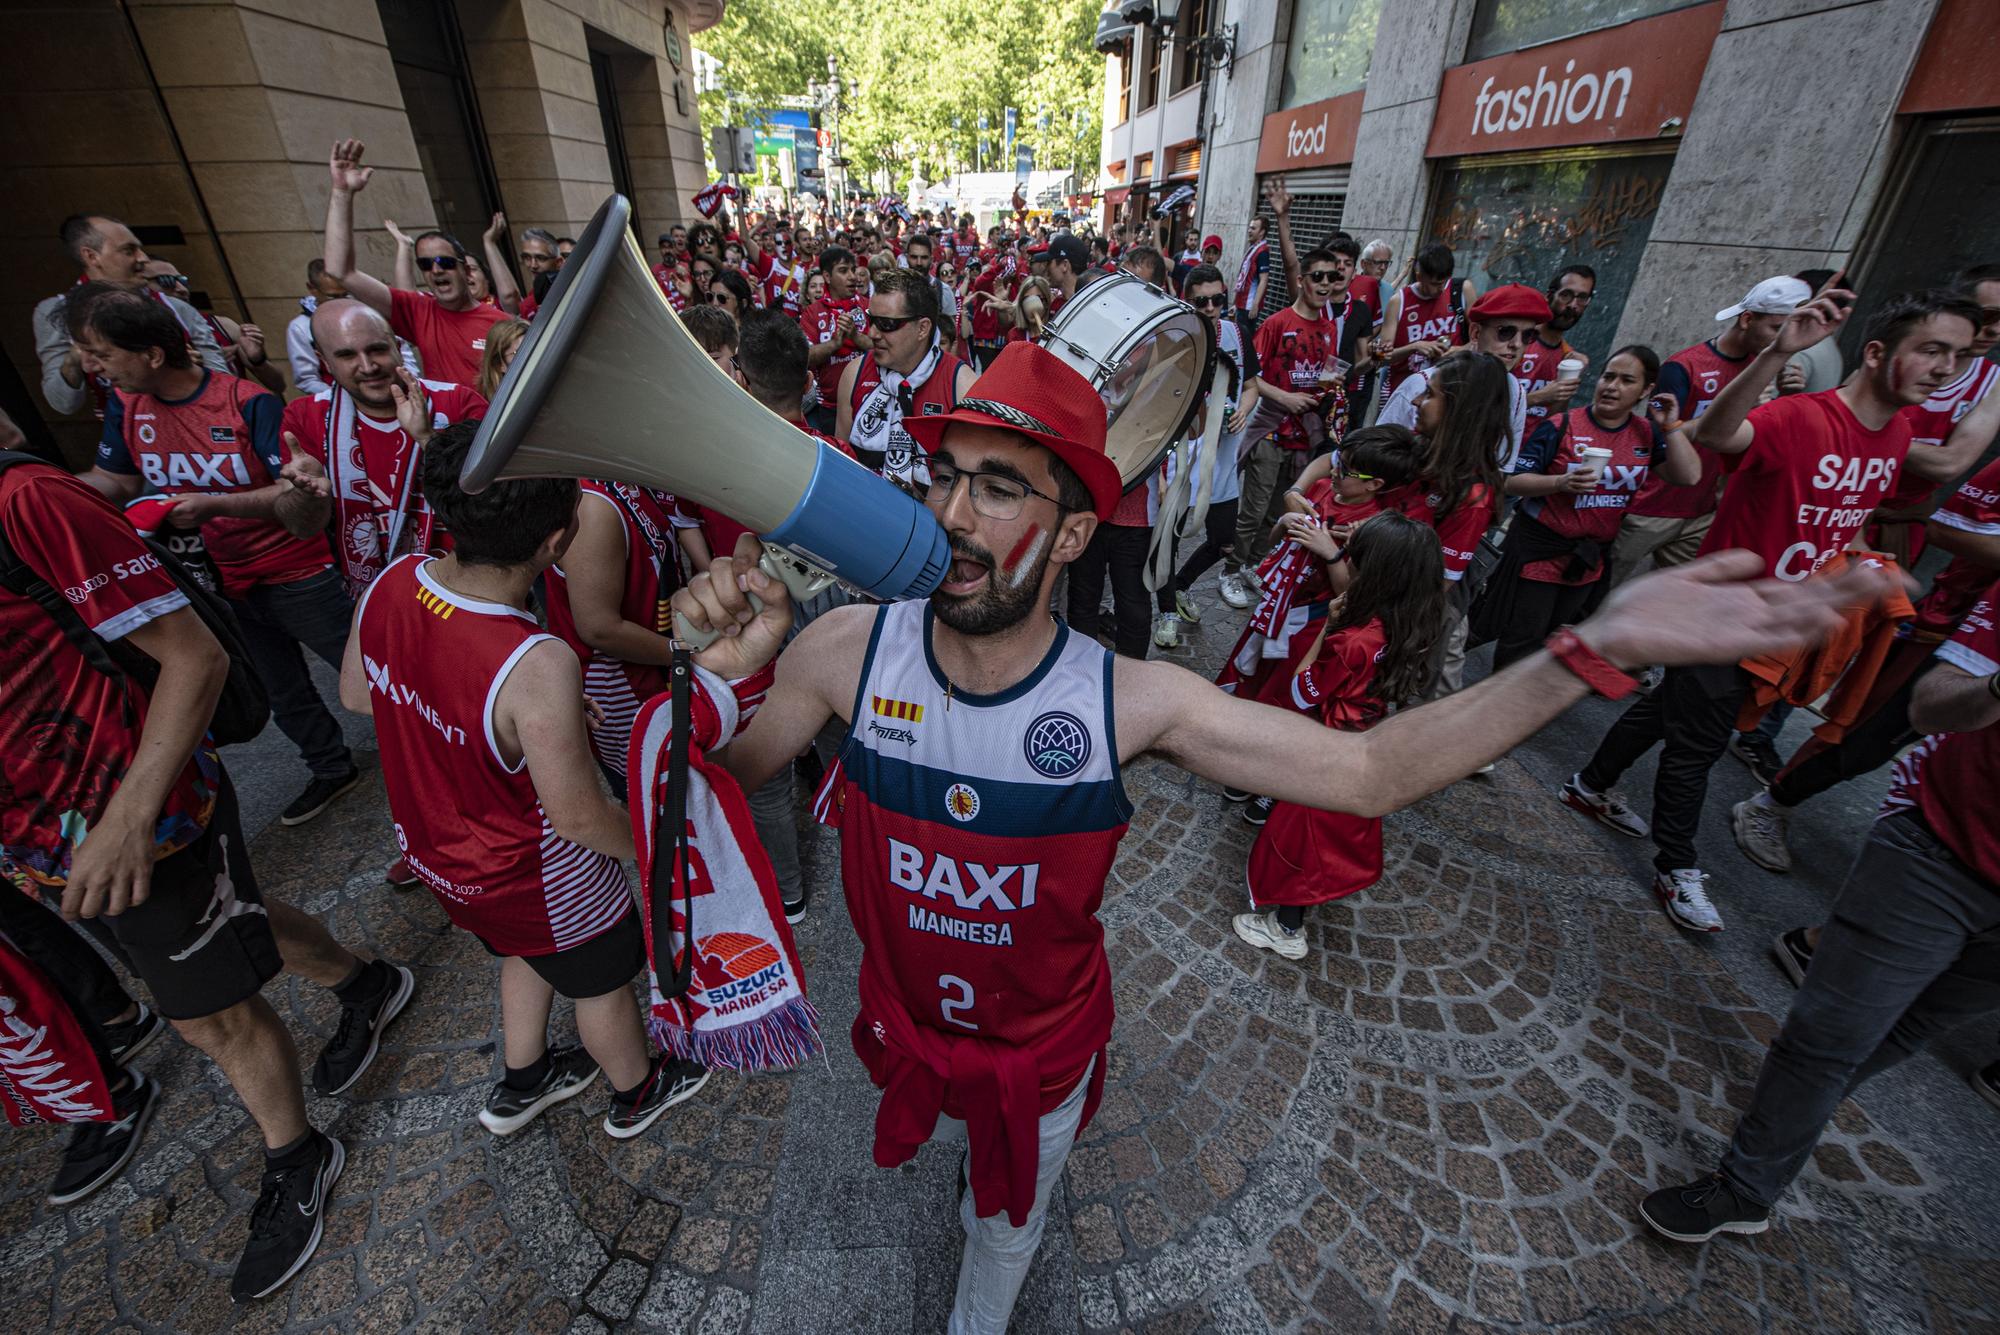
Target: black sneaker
351	1050
285	1223
671	1081
1258	810
1700	1210
1754	749
795	909
134	1036
99	1151
1235	795
1794	954
508	1110
318	796
1987	1081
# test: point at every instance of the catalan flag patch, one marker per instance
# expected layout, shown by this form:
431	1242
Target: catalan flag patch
899	709
434	604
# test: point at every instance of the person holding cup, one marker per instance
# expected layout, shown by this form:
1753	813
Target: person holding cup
1549	367
1575	477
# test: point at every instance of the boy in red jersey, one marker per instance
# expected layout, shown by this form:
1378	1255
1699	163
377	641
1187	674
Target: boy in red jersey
1907	956
495	796
213	442
1806	471
979	799
1426	318
837	327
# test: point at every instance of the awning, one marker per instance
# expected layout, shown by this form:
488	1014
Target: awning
1113	32
1116	196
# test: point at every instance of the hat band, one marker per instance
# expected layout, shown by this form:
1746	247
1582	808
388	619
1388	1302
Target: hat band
1011	415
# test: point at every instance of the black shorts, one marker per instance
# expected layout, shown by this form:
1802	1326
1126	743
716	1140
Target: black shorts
608	961
202	941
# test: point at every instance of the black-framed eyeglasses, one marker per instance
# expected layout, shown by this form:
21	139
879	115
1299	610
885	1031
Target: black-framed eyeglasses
889	324
995	495
530	256
444	262
1214	302
1323	275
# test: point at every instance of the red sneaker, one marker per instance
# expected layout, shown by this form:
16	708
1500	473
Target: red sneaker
401	875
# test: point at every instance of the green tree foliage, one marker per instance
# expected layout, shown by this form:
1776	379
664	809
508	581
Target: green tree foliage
922	74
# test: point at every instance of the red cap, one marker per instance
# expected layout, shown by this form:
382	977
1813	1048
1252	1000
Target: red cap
1211	243
1031	390
1516	301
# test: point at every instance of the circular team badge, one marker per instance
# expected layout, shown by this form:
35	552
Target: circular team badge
1057	744
364	538
962	802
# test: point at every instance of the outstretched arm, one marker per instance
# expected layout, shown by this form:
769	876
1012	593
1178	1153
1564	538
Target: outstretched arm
1723	428
1711	610
349	177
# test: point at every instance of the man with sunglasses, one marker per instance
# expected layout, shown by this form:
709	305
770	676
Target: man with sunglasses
908	372
447	324
1502	322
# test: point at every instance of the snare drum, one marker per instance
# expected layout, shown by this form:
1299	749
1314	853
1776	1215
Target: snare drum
1148	355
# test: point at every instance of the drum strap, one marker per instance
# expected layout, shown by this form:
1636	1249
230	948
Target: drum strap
1184	499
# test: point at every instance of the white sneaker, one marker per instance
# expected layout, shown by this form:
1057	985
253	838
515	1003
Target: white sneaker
1683	893
1236	591
1760	826
1606	809
1262	931
1187	607
1167	631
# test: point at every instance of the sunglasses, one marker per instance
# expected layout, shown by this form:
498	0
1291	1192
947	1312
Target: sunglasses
1343	471
177	279
1212	303
720	297
1507	333
429	262
889	324
1322	275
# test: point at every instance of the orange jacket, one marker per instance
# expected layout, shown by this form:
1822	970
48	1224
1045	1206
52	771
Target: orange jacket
1846	664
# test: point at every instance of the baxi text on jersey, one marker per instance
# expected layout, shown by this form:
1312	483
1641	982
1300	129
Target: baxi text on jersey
181	471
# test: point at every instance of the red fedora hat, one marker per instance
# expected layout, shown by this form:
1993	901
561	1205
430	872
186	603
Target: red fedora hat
1030	390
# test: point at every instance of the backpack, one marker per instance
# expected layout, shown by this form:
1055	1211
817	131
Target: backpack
243	707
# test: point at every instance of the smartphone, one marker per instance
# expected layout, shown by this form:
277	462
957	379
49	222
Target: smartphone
1664	403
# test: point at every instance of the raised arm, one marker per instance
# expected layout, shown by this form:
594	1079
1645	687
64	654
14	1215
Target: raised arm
404	275
500	265
1281	205
349	178
1708	611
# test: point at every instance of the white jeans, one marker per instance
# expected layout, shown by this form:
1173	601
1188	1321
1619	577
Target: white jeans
997	1255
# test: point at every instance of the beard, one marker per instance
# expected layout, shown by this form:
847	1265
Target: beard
1003	602
1563	320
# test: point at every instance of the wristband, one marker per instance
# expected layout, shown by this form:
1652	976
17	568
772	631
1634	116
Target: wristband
1597	671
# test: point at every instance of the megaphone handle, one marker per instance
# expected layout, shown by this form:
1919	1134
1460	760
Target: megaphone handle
800	579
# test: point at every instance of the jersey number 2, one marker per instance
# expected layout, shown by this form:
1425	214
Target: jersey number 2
961	1000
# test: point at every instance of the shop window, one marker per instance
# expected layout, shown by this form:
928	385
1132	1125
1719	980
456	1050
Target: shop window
1329	49
428	52
1923	233
1499	26
1149	72
1519	220
1187	65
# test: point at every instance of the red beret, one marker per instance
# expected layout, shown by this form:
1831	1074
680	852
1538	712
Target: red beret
1511	301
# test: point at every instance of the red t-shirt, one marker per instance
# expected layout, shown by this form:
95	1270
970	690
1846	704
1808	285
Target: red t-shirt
1974	508
1460	530
1949	777
1809	480
1695	377
1291	349
69	733
452	343
1366	288
818	320
223	438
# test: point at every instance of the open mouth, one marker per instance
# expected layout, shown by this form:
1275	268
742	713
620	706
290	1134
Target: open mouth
965	576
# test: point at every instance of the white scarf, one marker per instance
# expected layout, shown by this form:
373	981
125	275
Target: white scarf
878	424
369	518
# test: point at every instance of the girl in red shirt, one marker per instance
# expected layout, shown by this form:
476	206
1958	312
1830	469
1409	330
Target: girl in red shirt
1376	655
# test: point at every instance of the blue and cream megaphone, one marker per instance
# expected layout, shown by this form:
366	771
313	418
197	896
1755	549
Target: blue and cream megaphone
609	385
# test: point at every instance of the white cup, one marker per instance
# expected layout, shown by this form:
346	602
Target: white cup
1334	370
1595	459
1569	368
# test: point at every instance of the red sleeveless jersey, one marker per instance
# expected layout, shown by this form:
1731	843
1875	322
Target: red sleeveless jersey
1419	321
976	833
936	396
205	446
1537	370
1695	376
1931	423
471	825
652	573
1594	515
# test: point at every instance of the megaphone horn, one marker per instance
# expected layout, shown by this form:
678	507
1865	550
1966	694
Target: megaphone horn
609	385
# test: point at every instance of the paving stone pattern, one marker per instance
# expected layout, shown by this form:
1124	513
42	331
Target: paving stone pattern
1441	1119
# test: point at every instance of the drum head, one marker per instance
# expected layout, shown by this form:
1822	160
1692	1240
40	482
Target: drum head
1148	356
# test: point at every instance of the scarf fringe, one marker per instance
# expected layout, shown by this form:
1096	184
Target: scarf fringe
784	1037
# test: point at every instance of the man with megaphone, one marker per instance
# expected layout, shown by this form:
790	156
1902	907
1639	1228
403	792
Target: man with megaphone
979	799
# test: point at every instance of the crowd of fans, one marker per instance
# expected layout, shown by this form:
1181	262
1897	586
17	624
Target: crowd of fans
1409	469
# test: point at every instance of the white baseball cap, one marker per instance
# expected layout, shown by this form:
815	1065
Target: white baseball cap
1774	296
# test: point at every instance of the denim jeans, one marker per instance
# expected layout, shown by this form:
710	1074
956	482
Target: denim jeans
1912	950
276	620
997	1255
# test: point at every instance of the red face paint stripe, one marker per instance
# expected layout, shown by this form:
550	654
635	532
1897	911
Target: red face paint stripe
1022	548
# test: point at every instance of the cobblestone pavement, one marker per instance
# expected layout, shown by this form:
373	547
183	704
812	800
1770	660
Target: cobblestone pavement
1441	1119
